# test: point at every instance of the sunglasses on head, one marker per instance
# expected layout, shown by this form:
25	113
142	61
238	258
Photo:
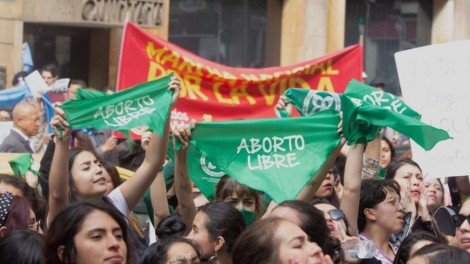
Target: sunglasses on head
336	214
457	220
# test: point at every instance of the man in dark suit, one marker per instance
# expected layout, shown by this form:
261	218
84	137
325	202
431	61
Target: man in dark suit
25	125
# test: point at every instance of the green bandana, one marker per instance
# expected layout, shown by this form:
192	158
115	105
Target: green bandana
21	164
144	104
275	156
365	111
85	94
310	102
250	217
382	173
202	172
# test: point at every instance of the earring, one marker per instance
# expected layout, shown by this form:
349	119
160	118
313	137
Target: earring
214	259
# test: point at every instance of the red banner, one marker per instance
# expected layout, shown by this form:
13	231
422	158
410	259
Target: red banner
213	91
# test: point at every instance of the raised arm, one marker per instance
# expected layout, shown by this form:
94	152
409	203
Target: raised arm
159	199
58	176
134	188
158	196
352	186
371	158
183	185
308	192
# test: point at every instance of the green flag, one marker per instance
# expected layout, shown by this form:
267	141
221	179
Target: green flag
363	107
21	164
275	156
202	172
309	102
144	104
365	111
85	94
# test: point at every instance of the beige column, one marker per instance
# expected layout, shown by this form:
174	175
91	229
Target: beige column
461	20
162	31
11	38
336	25
311	29
443	21
115	37
450	21
98	66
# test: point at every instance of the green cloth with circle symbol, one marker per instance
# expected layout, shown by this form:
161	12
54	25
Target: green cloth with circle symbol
365	110
275	156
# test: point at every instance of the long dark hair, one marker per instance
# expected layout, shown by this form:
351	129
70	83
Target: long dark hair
437	253
313	223
73	153
228	186
256	244
224	220
394	166
171	225
112	171
69	222
157	253
373	192
403	254
38	203
390	146
18	215
21	246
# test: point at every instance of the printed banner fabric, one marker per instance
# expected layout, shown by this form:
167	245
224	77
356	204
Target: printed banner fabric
275	156
216	92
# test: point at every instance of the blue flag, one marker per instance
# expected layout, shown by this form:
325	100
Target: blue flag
27	58
11	96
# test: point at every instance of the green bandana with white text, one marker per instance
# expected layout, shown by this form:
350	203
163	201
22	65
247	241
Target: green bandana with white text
144	104
365	111
275	156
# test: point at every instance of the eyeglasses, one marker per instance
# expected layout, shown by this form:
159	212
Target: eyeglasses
458	220
398	203
35	226
336	214
185	260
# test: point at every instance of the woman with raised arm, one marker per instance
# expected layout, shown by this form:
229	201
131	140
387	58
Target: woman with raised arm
78	175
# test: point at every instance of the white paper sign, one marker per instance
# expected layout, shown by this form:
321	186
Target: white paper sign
35	83
435	81
59	86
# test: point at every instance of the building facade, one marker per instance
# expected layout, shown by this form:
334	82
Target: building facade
83	37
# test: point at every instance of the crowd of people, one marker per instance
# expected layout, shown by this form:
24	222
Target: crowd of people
366	205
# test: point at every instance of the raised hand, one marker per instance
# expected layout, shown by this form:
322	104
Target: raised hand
145	140
283	104
183	134
423	204
59	124
175	85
